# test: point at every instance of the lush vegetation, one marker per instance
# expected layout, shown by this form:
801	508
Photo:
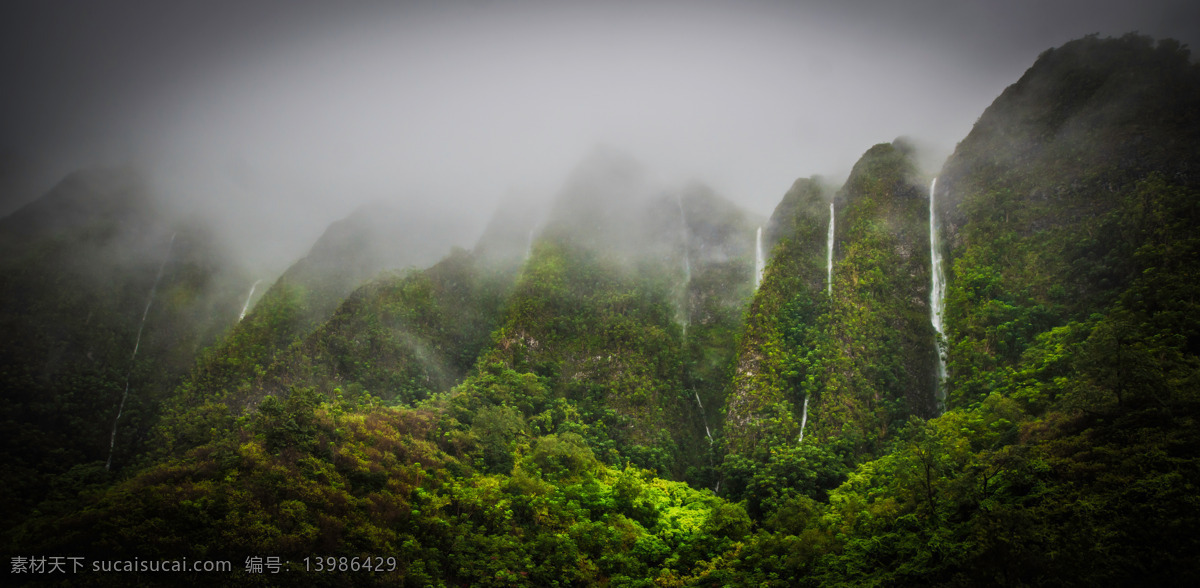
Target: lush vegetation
883	367
544	418
842	367
1068	455
774	368
76	284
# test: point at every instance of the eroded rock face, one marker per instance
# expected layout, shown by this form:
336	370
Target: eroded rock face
860	352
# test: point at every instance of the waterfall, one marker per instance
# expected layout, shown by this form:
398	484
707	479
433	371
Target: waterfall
803	419
829	257
687	263
937	294
706	429
687	266
529	246
759	262
246	306
112	441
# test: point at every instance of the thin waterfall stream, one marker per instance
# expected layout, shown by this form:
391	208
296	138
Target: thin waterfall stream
803	419
249	296
829	255
937	295
112	440
759	262
707	431
687	264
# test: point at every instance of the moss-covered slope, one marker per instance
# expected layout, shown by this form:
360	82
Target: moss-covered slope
856	363
1048	198
885	363
400	338
773	371
105	301
1068	453
230	375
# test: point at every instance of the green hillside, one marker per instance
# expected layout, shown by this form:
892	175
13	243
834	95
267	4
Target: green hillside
1069	452
231	375
105	300
607	398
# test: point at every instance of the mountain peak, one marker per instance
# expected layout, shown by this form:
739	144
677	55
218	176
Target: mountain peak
97	195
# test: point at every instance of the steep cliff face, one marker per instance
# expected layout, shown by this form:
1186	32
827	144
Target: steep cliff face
593	316
1040	200
783	325
1074	341
623	312
604	341
230	376
399	338
105	301
854	364
1067	454
719	241
885	361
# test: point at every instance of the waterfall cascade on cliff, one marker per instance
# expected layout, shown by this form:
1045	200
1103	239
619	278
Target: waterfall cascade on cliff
701	405
829	255
246	306
687	264
759	262
803	419
937	295
112	441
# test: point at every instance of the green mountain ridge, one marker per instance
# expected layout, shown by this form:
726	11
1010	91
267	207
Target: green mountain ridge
607	328
607	399
106	300
232	375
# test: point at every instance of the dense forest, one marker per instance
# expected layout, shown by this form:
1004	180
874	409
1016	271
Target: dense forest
617	395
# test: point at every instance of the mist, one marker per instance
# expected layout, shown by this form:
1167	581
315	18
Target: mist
273	119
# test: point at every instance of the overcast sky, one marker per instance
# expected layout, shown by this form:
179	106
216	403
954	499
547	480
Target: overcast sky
279	117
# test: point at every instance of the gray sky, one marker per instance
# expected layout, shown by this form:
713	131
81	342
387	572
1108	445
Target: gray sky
278	117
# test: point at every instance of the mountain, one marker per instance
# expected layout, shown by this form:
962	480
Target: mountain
585	341
766	383
106	301
719	239
353	250
857	353
598	314
616	399
1066	452
399	338
828	371
404	336
1038	201
885	363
